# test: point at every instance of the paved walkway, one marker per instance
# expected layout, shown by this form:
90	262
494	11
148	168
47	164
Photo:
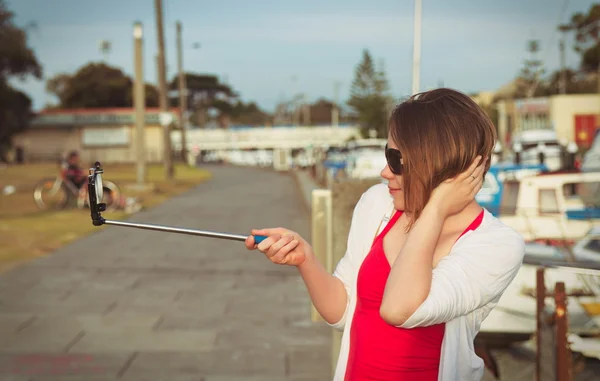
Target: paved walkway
136	305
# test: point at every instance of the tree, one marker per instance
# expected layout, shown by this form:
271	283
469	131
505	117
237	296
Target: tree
587	37
205	93
575	83
532	73
248	114
97	85
369	97
16	60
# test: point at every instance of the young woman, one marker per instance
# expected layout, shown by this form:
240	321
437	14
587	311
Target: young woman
425	264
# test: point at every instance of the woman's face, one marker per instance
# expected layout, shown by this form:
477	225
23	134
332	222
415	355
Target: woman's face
395	182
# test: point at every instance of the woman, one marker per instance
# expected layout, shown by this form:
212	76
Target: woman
425	264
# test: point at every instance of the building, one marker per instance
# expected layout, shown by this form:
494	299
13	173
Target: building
107	135
574	117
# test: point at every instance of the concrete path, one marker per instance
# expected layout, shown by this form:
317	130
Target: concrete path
134	305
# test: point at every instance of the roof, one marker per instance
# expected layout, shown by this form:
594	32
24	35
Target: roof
99	116
110	110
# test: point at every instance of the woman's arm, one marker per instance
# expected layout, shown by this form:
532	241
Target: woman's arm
330	293
410	278
326	291
468	279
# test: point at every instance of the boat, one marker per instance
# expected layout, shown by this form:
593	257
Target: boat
513	320
498	190
552	207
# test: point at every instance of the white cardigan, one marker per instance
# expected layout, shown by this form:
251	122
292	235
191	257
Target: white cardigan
466	284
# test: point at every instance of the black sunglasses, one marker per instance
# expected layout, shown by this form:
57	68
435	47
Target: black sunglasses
394	160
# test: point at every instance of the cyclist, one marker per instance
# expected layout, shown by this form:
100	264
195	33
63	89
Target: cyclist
72	171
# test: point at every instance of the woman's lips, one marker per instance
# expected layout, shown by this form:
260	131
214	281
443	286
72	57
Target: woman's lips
394	190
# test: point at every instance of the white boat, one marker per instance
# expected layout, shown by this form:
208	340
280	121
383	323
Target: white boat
365	158
514	318
553	207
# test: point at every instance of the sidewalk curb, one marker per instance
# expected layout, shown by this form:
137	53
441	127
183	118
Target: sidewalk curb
301	182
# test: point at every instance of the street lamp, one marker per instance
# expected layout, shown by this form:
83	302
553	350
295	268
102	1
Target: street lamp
517	148
541	148
572	149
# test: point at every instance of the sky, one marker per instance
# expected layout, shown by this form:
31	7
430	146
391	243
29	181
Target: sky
268	50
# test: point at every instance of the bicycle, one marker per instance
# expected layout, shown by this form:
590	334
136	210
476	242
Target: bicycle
55	193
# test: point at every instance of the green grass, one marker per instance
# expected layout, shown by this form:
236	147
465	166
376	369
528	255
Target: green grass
27	232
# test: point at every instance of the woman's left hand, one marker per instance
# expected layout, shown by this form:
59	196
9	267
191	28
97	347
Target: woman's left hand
453	195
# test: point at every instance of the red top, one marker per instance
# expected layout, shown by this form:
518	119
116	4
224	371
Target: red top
378	350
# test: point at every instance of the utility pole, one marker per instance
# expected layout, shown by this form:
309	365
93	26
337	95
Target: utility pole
417	48
335	111
306	110
139	100
562	83
182	95
162	90
294	103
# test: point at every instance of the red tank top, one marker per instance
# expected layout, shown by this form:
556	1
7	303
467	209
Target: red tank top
379	351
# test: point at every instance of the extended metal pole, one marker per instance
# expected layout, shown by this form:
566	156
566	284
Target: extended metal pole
173	229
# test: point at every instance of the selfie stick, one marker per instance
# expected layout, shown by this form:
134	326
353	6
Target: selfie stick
95	193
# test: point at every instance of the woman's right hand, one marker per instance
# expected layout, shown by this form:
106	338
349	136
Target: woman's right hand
282	246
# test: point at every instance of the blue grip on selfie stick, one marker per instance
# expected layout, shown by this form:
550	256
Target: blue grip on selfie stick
259	238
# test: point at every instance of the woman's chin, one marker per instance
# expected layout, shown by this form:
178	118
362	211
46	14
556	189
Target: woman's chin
398	204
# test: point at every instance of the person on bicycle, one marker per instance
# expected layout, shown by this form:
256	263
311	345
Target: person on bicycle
72	171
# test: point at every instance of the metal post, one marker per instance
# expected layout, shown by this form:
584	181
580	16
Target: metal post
139	99
162	91
540	294
517	148
182	95
541	147
563	354
417	48
305	110
562	83
293	103
335	111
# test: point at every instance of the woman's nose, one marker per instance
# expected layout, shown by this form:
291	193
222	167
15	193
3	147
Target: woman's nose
386	173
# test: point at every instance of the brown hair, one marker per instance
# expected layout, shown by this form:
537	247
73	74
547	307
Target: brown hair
439	133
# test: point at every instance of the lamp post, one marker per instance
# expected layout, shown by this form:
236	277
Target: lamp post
541	148
182	94
162	93
517	148
572	149
139	100
416	48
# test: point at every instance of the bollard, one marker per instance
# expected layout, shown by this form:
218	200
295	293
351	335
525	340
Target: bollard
321	236
563	354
